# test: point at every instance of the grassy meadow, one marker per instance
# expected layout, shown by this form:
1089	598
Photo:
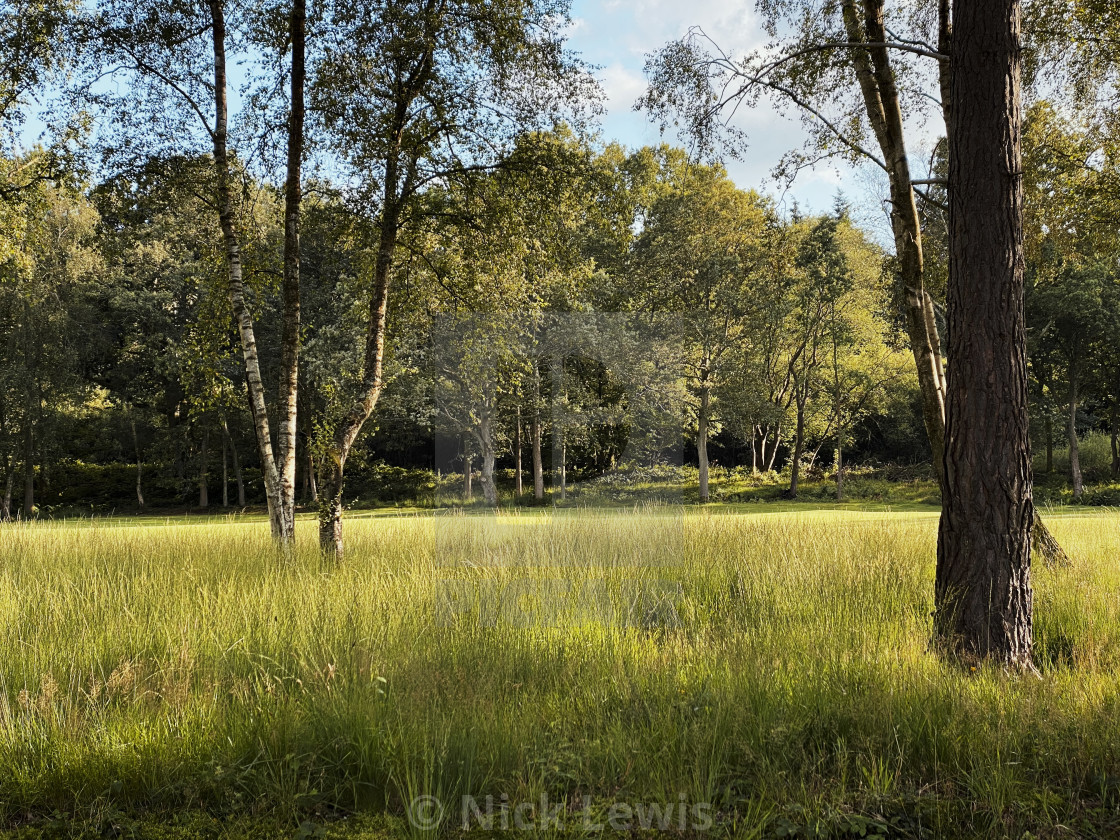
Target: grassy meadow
176	679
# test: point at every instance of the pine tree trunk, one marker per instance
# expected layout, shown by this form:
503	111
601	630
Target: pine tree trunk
1074	452
983	597
702	439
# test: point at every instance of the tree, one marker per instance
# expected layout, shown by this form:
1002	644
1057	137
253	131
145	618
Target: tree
851	70
414	93
178	58
983	588
704	244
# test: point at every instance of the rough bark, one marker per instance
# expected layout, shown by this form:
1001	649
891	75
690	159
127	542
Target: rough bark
983	595
864	23
1071	432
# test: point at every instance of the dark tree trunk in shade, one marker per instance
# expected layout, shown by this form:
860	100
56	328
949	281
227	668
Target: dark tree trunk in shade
702	436
139	463
1074	451
1049	444
225	472
1114	424
798	446
983	587
236	464
204	472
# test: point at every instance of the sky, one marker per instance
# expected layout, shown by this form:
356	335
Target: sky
616	36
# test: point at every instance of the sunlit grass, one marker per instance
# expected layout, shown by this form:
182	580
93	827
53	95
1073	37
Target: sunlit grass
774	665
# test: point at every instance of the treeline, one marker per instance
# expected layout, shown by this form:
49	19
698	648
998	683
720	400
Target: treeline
461	280
571	311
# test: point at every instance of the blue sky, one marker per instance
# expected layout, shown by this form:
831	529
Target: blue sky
616	35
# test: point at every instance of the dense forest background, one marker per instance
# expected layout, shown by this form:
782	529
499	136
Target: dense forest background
566	314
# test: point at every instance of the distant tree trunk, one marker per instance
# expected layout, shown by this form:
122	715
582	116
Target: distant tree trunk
983	596
1074	453
702	437
798	444
538	461
468	490
225	472
563	466
139	461
1049	423
839	467
486	473
236	464
1114	424
517	445
314	488
774	448
28	510
754	449
6	502
203	472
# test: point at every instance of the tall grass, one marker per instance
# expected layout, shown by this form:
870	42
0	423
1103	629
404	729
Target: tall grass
774	665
